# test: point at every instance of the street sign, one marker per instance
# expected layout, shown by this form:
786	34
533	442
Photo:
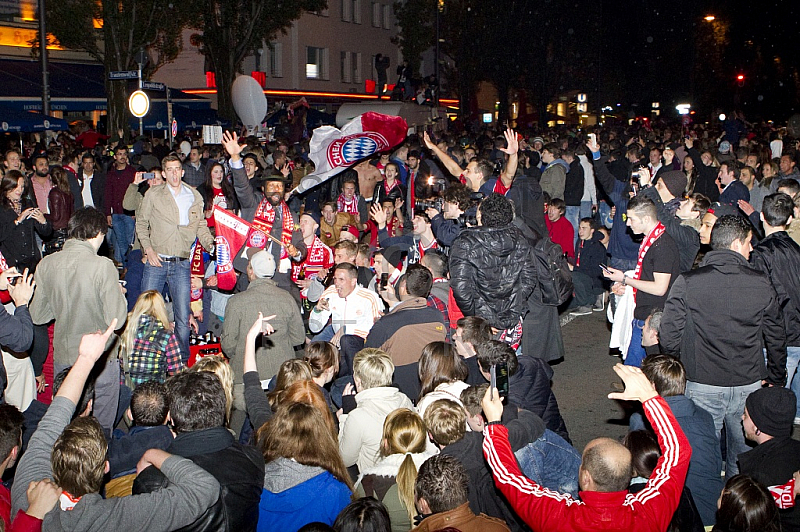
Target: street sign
153	86
123	74
174	128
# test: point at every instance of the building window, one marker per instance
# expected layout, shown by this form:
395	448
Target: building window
355	65
356	11
377	14
316	64
387	17
344	73
347	10
275	60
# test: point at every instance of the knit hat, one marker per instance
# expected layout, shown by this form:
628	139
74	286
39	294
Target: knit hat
261	262
724	147
313	215
675	181
537	139
394	255
723	209
772	410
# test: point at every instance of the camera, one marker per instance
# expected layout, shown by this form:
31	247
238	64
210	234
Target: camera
148	175
423	205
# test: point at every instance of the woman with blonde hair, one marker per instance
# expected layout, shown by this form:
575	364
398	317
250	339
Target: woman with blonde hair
391	480
150	349
219	367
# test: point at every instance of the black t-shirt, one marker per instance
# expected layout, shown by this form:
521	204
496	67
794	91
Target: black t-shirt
662	257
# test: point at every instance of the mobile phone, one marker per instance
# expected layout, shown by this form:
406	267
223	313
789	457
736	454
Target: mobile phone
604	267
13	280
592	137
384	280
149	175
265	327
123	282
499	378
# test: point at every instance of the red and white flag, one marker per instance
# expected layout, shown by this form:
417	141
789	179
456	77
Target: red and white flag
231	235
334	150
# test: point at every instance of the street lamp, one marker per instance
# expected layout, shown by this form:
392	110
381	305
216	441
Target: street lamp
709	18
139	105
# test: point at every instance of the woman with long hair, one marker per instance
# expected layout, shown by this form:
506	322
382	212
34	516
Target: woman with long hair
219	367
291	371
61	206
744	506
151	351
691	172
442	373
305	479
20	221
391	480
217	190
390	187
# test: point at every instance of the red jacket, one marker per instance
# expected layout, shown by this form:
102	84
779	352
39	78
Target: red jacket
648	510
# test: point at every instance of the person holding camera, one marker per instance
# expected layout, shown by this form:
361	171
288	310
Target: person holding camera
16	330
448	220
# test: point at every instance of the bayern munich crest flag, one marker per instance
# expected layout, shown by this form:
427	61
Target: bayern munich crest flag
334	150
231	235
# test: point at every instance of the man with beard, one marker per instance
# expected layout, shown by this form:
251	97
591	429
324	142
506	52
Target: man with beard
121	222
272	223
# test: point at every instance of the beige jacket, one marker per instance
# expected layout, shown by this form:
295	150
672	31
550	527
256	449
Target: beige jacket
157	223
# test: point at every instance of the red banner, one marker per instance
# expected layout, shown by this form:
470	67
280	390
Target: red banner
231	235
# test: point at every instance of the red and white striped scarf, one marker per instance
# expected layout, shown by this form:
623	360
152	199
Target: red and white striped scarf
647	243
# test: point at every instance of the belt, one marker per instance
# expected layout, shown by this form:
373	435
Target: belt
173	259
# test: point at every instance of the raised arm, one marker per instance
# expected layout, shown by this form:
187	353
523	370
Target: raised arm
512	150
256	402
447	161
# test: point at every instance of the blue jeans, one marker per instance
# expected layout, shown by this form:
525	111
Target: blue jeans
726	406
636	352
121	234
586	211
551	462
573	216
792	378
177	275
605	214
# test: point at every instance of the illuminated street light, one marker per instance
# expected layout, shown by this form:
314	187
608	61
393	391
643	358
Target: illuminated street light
709	18
683	108
139	104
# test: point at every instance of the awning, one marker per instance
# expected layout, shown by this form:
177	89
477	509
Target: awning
21	121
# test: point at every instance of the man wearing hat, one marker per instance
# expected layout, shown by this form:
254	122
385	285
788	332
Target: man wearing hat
264	296
767	421
667	194
272	223
718	319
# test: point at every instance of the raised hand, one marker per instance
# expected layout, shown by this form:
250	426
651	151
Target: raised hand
637	387
511	140
230	141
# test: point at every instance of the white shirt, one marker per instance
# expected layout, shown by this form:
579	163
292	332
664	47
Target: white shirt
356	312
184	198
86	192
589	191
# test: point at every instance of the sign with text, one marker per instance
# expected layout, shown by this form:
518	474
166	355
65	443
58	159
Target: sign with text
123	74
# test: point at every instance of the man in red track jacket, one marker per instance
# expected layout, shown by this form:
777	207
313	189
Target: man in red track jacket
604	474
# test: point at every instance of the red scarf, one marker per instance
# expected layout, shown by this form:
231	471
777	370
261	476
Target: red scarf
319	256
647	243
262	225
350	207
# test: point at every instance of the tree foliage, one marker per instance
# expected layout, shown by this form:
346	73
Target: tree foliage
113	32
234	29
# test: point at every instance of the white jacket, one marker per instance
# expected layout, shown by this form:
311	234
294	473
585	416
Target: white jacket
361	430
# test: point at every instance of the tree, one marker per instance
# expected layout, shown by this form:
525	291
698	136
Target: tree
113	33
417	34
234	29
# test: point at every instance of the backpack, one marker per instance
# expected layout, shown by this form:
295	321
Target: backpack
552	269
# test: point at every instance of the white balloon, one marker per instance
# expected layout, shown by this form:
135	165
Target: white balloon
249	101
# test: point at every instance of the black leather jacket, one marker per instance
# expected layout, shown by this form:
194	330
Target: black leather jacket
238	468
779	257
492	273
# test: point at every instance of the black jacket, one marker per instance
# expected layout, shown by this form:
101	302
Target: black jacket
573	186
530	388
779	257
484	497
492	273
18	242
772	463
239	469
719	317
706	183
590	254
98	187
526	195
685	237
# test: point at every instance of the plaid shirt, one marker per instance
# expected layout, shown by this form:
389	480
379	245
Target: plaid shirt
156	353
441	306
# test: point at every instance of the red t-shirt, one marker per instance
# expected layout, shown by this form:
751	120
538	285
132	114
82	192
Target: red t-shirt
562	233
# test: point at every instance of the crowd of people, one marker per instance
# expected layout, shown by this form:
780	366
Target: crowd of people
382	358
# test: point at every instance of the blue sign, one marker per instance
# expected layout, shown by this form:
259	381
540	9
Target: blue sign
153	86
123	74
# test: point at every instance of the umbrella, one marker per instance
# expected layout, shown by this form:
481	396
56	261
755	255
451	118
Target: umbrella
21	121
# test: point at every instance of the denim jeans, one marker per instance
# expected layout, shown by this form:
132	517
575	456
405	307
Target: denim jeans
106	390
605	214
586	211
551	462
792	378
726	406
573	216
121	234
178	277
636	352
